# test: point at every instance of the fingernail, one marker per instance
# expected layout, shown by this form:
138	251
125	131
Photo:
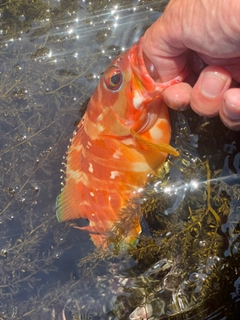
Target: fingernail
213	84
231	110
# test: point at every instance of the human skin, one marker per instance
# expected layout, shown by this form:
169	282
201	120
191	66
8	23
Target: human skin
205	36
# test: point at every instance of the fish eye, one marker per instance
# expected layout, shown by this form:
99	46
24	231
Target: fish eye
113	78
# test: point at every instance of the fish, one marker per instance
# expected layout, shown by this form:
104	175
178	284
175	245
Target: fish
123	136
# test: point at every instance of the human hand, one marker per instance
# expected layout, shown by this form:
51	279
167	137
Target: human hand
205	35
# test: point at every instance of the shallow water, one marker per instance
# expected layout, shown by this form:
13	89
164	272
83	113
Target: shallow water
52	55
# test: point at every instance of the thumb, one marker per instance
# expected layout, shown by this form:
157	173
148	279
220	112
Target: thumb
163	47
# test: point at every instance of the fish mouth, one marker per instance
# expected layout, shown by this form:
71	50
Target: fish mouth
149	97
146	72
139	68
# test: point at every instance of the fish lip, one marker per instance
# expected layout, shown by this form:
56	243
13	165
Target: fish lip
139	68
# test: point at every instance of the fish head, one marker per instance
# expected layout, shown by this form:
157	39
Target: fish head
127	96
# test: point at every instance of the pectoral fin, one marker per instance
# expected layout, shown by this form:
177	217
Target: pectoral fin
153	146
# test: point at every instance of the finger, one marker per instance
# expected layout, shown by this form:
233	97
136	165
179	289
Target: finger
232	64
167	67
230	109
159	47
195	62
178	96
207	93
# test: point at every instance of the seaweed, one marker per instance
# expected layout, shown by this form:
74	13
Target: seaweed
191	237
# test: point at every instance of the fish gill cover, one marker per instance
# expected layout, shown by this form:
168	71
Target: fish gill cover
186	262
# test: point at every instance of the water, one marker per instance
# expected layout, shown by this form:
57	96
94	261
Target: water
52	55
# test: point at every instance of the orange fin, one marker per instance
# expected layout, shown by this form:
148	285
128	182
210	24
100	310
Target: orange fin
64	209
68	202
153	146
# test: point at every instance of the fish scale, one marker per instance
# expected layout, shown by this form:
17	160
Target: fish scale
123	136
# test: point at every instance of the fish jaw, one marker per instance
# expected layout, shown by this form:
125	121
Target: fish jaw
137	62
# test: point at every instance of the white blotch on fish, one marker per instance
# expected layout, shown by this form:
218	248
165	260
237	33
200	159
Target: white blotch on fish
90	168
114	174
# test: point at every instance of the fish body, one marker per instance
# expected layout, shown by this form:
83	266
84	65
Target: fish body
123	136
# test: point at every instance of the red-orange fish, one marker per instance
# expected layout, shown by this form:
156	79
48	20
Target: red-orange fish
123	136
